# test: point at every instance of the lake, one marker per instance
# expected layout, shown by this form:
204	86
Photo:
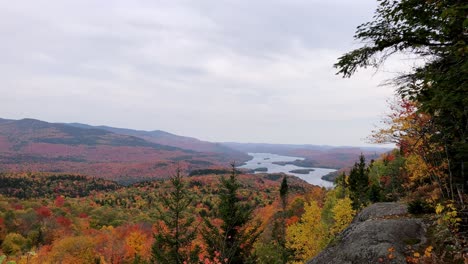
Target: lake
265	160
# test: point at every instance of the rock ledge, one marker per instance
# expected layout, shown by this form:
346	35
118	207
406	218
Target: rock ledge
372	233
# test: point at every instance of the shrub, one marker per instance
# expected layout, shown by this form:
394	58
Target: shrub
420	207
13	244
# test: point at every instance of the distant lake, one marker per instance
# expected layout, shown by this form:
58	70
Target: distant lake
265	160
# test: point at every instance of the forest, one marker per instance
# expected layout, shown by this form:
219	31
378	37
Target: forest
225	215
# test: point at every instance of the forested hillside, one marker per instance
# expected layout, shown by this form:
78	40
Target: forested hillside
74	193
34	145
168	139
43	219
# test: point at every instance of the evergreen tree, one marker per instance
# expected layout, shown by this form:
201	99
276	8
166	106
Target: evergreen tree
434	32
175	230
359	183
284	190
233	240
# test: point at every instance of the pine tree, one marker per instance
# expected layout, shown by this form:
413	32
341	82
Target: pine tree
175	232
359	183
284	190
233	240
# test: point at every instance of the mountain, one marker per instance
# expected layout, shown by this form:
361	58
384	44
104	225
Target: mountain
315	155
165	138
34	145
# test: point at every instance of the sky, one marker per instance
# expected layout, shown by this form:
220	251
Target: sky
239	70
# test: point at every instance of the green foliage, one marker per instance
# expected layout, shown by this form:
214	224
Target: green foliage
123	223
14	244
270	253
375	193
107	216
329	204
174	231
435	31
284	190
208	171
44	185
281	225
387	175
359	183
234	239
420	207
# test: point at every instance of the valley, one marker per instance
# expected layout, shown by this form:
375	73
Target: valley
127	156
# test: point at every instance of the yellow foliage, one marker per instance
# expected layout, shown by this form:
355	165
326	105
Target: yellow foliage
343	214
428	251
417	168
137	244
308	236
13	244
448	215
79	249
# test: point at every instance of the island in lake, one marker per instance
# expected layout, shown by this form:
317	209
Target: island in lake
301	171
262	169
298	162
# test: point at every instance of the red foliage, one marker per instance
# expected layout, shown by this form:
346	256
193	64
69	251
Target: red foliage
390	157
103	156
59	201
63	221
83	215
43	212
292	220
18	207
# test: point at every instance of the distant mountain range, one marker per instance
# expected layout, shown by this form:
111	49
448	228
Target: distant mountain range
165	138
113	153
127	155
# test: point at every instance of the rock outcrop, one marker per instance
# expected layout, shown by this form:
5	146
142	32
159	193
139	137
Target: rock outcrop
381	233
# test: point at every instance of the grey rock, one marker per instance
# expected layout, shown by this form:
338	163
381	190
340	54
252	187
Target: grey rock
379	210
370	236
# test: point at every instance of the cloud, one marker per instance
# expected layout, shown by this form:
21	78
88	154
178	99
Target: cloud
217	70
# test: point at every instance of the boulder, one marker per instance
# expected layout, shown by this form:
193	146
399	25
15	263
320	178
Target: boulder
381	233
380	210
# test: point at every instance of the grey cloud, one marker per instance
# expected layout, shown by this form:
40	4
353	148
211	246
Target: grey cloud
191	67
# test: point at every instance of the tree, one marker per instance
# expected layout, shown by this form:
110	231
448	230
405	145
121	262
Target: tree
414	132
308	236
359	183
434	31
233	239
175	231
13	244
284	190
343	214
79	249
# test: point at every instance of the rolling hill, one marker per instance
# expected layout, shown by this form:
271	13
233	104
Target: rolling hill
34	145
168	139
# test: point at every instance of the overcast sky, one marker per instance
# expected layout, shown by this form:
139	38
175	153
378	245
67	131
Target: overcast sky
240	70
